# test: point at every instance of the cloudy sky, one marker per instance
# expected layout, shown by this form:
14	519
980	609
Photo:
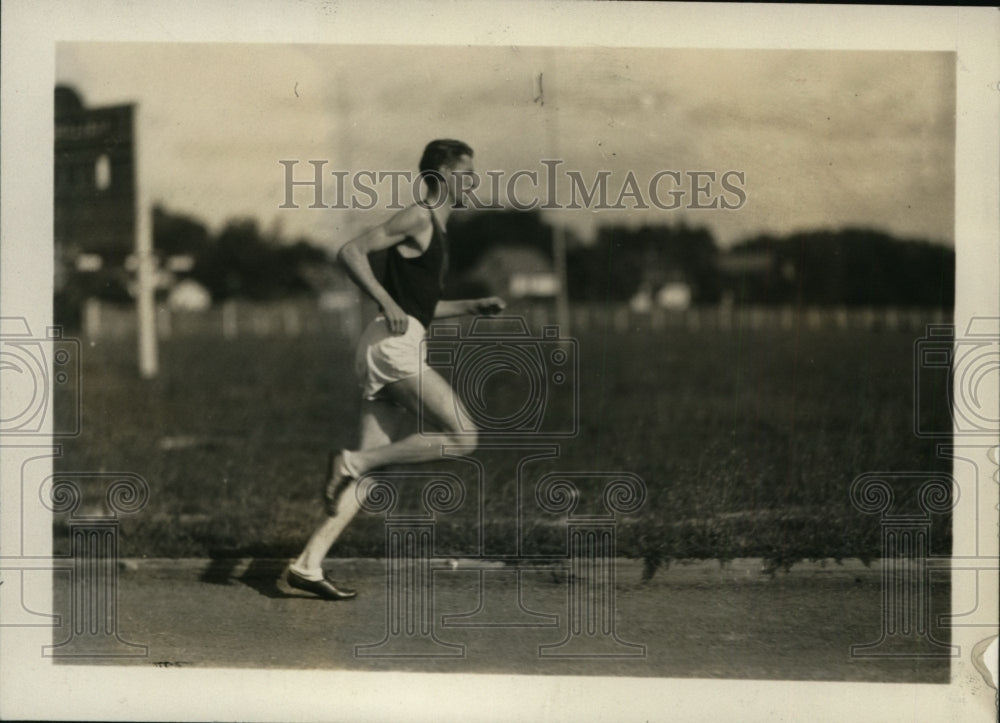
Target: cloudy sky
825	138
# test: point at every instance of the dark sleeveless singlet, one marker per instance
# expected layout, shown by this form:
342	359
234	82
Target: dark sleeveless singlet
417	284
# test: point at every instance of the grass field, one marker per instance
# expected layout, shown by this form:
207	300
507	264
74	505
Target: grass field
747	440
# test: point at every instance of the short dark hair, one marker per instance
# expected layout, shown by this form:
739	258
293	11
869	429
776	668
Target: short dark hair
440	153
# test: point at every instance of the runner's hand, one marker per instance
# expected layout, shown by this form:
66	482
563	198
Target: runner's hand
397	319
489	306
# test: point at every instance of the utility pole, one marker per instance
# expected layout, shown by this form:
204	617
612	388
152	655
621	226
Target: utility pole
558	230
146	271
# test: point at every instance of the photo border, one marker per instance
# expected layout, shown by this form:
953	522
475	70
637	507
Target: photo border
30	33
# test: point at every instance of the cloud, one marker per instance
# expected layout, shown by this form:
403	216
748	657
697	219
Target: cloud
824	137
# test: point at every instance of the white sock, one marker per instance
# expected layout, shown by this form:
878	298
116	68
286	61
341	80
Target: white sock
315	574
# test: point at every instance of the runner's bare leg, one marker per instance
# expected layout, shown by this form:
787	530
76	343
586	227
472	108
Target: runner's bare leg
431	392
381	421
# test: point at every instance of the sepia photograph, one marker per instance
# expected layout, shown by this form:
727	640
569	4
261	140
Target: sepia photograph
565	365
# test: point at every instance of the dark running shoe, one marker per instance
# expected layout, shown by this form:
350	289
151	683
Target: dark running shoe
323	588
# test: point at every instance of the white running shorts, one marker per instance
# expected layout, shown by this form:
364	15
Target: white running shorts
383	358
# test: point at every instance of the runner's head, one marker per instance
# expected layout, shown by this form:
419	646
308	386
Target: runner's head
449	161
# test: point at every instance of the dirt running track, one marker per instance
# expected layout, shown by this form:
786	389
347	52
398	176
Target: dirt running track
696	620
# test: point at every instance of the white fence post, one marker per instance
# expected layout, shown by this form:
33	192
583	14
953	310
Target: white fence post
92	318
100	320
230	328
164	325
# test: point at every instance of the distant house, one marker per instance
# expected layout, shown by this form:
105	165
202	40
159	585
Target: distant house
189	295
675	295
668	291
642	301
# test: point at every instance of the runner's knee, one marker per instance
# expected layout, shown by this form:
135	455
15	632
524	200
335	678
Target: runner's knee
456	436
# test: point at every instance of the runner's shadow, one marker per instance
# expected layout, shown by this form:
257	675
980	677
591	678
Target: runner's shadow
260	575
220	571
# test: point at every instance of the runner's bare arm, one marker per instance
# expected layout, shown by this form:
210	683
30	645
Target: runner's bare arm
354	257
459	307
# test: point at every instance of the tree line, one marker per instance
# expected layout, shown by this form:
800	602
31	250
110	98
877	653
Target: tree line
844	267
847	267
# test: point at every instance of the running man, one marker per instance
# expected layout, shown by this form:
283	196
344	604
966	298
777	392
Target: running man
396	381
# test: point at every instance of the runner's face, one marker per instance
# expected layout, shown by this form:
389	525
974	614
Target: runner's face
459	176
